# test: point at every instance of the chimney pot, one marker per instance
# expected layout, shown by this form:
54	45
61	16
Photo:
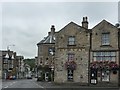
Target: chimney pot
85	22
52	29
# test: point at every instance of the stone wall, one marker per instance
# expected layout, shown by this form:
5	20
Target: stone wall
81	51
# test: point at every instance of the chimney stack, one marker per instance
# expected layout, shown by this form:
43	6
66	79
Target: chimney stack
49	33
85	22
52	29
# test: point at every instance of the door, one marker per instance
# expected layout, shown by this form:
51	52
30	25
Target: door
70	75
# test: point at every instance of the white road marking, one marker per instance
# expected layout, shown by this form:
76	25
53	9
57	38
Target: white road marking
6	87
10	84
38	85
14	82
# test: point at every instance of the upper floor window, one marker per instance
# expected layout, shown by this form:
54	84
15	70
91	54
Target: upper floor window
105	38
71	40
5	61
71	56
51	50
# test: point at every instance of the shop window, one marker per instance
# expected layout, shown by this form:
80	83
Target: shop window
104	56
105	76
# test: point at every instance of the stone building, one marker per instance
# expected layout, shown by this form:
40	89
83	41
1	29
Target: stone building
104	53
46	53
20	67
82	55
8	64
72	53
0	64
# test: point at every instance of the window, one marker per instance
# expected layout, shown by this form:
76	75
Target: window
105	39
104	56
71	40
51	51
5	61
105	76
71	57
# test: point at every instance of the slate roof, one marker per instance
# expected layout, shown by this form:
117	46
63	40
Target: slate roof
49	39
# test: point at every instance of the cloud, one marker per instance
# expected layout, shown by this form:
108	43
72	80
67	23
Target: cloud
25	24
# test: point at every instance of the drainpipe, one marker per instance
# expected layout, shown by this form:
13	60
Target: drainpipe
89	58
119	55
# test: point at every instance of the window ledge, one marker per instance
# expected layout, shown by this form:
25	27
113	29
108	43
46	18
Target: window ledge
105	46
71	45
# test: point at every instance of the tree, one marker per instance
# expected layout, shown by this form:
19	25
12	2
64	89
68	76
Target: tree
30	62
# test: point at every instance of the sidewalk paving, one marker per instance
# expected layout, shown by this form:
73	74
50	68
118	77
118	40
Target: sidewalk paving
74	85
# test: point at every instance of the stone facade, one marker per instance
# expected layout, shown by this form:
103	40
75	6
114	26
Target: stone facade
20	67
81	54
8	64
108	50
46	54
80	50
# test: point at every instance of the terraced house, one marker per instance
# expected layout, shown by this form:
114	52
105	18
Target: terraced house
105	53
82	55
8	59
72	53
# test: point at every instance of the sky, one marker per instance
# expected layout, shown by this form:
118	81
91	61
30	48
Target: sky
24	24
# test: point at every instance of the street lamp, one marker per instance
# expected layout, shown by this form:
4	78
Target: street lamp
9	46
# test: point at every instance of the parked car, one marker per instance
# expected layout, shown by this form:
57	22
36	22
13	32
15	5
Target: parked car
40	78
12	77
29	77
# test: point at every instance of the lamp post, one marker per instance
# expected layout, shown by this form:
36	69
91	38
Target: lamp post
9	46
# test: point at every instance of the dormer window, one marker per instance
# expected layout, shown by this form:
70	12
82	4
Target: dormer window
105	38
71	40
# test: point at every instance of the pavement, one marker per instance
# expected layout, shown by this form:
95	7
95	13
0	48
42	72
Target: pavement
72	85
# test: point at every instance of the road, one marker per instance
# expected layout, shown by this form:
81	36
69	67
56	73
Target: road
25	83
28	84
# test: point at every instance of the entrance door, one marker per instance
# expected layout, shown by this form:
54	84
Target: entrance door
70	75
93	76
46	76
105	76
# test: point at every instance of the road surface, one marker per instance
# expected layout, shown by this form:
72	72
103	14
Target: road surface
25	83
32	84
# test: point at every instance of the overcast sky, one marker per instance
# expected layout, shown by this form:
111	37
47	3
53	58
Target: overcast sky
25	24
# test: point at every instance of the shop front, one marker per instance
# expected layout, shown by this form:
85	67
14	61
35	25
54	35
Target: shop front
104	72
